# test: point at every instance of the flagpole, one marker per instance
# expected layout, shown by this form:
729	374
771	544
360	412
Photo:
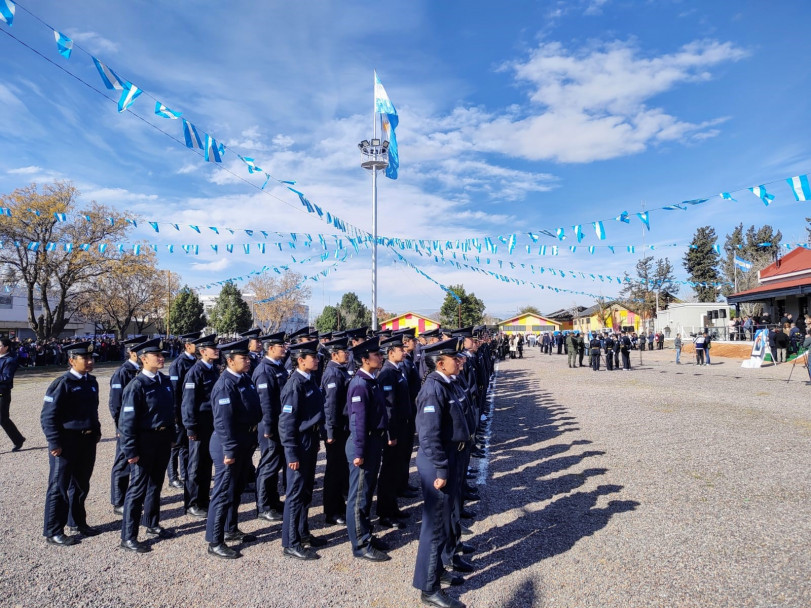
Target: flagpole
374	212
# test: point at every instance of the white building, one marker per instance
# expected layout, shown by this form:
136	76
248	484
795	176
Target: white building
14	317
691	317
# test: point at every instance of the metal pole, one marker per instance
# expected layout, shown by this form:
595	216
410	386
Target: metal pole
374	249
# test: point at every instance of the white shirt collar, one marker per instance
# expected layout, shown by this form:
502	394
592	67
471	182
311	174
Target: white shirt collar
190	356
444	377
149	374
363	371
233	373
305	374
208	365
274	361
77	374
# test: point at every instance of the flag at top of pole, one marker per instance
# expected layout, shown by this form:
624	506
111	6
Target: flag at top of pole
388	122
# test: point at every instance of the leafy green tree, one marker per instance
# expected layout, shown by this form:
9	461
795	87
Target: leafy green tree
353	312
231	314
759	246
701	263
472	308
329	320
186	313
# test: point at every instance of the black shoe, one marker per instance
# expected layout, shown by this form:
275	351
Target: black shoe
467	514
222	551
197	512
176	483
60	539
240	536
385	522
84	530
313	541
465	548
300	553
466	531
118	510
371	554
460	564
379	544
471	496
18	446
440	599
134	546
272	515
159	532
449	578
471	476
337	520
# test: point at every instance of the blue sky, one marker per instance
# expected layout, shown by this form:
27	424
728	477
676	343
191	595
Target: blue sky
514	117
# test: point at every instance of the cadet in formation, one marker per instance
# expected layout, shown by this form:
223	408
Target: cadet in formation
178	460
70	421
147	431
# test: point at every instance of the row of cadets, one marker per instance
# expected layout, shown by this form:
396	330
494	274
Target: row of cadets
427	338
269	377
178	460
198	421
443	432
120	472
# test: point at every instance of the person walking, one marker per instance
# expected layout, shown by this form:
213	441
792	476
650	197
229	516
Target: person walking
8	367
677	346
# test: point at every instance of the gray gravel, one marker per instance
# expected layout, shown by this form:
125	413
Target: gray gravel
666	486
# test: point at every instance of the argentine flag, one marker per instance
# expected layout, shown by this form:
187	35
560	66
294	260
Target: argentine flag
388	122
800	187
7	10
742	264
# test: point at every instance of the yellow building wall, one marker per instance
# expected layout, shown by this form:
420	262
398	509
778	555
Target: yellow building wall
528	323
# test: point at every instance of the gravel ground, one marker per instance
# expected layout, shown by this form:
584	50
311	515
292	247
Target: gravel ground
666	486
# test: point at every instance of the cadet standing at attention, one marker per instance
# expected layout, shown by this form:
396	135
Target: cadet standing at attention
120	473
70	421
178	460
442	432
368	426
254	346
146	426
269	377
237	412
299	430
406	490
199	424
334	384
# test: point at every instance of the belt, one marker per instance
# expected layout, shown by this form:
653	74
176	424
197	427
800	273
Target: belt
461	446
81	431
315	428
252	429
159	429
378	432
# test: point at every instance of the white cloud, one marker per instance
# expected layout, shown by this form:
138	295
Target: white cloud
215	266
188	168
93	42
26	170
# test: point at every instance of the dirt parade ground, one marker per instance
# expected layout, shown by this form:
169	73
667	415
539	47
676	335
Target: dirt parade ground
670	485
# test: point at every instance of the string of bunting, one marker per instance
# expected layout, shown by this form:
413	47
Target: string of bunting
214	151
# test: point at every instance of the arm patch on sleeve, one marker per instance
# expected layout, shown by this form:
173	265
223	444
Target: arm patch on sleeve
287	409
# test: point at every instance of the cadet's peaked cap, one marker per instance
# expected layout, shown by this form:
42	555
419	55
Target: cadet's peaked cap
387	343
408	332
304	348
336	345
80	348
150	346
299	333
463	332
327	335
190	337
209	341
384	333
251	334
272	339
445	347
447	331
339	334
240	347
431	333
372	345
355	333
134	340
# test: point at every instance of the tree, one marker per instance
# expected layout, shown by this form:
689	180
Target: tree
472	308
701	263
353	312
231	313
384	315
186	313
758	246
329	320
130	289
157	310
289	298
653	285
56	260
529	309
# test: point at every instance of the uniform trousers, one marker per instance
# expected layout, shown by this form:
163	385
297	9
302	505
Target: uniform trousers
626	360
5	420
617	359
119	476
405	445
457	467
197	485
300	491
609	361
362	483
143	500
69	482
271	462
389	479
179	457
336	475
229	481
436	526
572	356
595	361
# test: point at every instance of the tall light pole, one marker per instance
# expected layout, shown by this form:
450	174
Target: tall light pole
374	155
